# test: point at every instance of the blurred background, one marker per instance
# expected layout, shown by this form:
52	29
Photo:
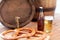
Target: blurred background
57	7
57	10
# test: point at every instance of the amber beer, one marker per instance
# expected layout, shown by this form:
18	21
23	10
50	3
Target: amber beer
48	23
40	19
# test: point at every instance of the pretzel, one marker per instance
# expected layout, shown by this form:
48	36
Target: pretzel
40	34
30	32
6	32
24	33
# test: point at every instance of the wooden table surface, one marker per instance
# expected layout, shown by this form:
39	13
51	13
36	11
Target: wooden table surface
55	27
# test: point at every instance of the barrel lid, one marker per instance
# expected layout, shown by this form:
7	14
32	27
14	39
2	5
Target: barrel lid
9	9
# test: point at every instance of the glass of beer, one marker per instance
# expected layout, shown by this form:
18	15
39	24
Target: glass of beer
48	23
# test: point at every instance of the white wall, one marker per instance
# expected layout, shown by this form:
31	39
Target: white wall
58	7
0	0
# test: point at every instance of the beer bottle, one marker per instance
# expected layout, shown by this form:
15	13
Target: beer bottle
40	19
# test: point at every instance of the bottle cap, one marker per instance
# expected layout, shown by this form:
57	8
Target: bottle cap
41	7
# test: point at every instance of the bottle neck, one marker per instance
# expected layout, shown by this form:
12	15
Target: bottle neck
41	12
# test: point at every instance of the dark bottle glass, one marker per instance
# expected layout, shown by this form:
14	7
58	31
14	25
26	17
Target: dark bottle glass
40	19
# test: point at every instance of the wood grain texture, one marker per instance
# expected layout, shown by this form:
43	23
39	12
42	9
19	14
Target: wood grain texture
55	28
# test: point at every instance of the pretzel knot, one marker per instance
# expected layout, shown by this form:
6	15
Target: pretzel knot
25	32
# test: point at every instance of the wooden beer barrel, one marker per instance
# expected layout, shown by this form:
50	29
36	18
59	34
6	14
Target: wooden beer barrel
9	9
48	7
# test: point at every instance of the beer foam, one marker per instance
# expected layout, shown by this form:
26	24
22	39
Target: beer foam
48	18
